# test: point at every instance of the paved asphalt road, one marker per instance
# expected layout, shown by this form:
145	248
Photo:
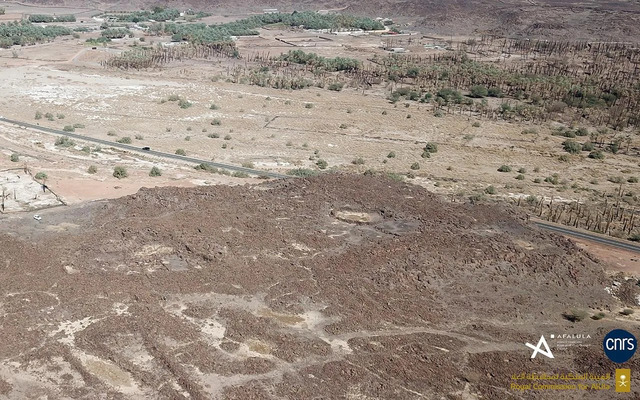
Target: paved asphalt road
557	229
149	152
587	236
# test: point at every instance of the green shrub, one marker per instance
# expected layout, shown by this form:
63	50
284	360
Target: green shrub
69	128
537	180
124	140
490	190
184	104
479	91
627	311
531	199
504	168
120	172
181	152
41	176
415	166
632	179
520	177
337	86
60	116
38	115
553	179
14	157
391	155
155	171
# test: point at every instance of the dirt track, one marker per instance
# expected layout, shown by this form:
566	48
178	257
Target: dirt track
341	286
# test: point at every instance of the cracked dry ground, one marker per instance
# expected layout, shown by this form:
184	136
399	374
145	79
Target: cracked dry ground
338	286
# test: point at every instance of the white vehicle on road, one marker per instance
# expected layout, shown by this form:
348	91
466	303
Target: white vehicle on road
37	217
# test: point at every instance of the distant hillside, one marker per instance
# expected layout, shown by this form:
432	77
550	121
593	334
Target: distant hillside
554	19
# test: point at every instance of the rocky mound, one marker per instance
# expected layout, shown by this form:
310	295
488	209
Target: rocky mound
338	286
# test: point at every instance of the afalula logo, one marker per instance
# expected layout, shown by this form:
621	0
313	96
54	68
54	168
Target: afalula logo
571	336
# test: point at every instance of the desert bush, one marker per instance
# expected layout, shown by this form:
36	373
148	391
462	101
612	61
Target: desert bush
627	311
476	124
343	126
632	179
184	104
187	138
120	172
214	107
391	155
216	122
302	172
531	199
564	158
322	164
181	152
575	315
78	126
69	128
41	176
111	133
598	316
92	169
415	166
14	157
537	180
206	167
530	131
615	179
227	137
139	137
504	168
358	161
213	135
479	91
425	154
553	179
308	105
571	147
490	190
240	174
587	146
64	141
522	170
520	177
596	155
60	116
248	164
431	147
124	140
49	116
337	86
155	171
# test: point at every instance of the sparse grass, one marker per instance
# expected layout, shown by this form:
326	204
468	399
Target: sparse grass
181	152
120	172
